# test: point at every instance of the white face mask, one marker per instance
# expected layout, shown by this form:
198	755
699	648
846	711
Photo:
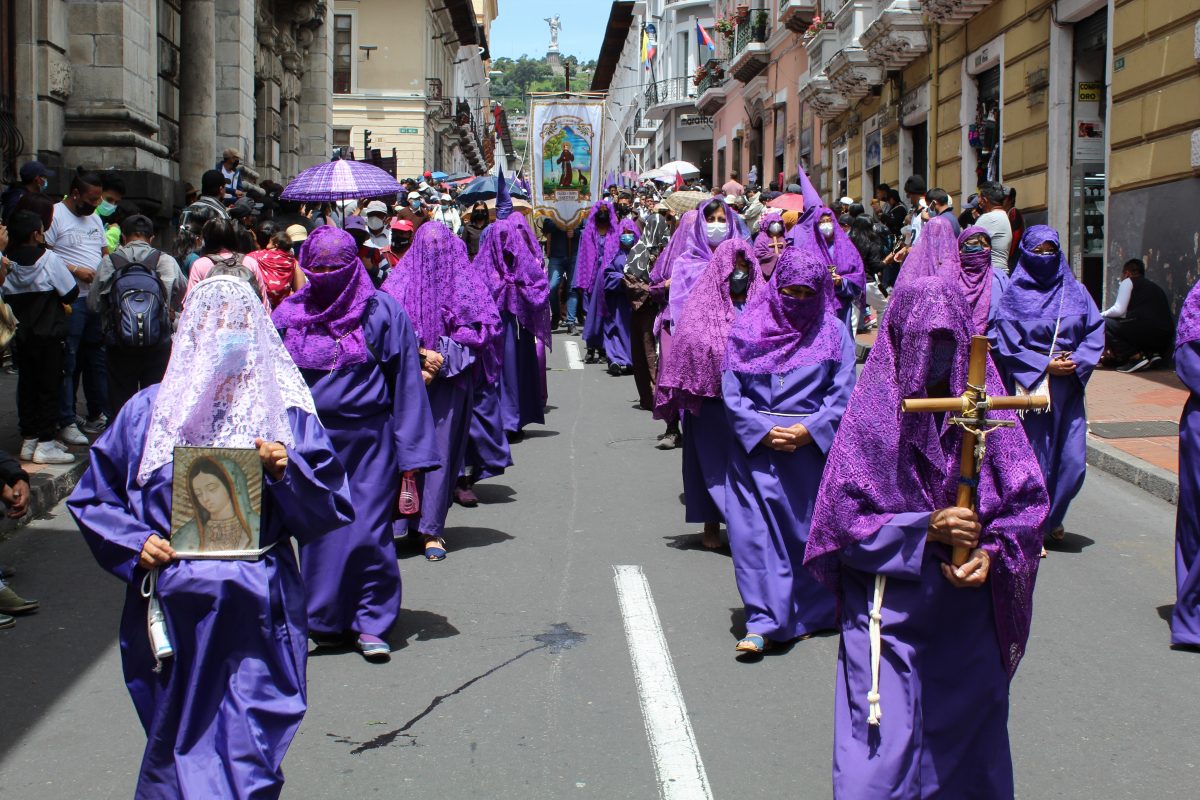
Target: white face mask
717	231
233	346
826	229
374	224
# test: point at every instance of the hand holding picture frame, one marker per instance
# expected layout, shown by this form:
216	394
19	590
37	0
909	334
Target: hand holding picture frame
216	503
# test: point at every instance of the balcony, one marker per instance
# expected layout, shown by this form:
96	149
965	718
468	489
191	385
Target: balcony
667	94
797	15
644	127
824	100
750	52
953	11
853	72
710	93
820	46
897	36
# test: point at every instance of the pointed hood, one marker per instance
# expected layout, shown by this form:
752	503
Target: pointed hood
504	204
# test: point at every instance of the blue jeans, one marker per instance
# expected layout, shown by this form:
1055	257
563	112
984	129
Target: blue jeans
84	356
560	272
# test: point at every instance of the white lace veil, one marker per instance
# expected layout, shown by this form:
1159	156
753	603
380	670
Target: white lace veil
229	380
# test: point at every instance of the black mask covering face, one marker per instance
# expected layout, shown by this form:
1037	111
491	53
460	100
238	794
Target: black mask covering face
602	217
479	217
739	281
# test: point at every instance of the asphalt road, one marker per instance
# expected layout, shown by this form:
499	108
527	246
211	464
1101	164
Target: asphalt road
512	675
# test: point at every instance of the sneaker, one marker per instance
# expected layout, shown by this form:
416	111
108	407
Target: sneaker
72	435
1136	366
13	603
7	572
97	425
668	442
570	329
7	622
27	448
373	648
47	453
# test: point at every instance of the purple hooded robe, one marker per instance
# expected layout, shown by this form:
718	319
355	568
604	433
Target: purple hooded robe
840	254
947	654
1185	619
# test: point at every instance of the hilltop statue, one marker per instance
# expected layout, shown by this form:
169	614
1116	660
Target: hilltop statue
555	27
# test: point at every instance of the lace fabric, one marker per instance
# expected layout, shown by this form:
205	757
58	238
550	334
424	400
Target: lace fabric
595	250
935	253
840	253
693	252
511	260
1188	329
229	381
692	372
883	462
1043	286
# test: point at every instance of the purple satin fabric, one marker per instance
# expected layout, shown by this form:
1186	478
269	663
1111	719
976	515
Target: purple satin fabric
234	693
701	334
884	463
323	320
1185	618
776	333
1042	287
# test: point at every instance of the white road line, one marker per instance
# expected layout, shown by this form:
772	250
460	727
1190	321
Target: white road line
677	762
573	359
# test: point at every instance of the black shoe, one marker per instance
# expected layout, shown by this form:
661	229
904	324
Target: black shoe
615	369
570	329
592	357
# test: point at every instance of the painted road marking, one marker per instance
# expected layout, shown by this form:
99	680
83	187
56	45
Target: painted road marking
677	762
573	359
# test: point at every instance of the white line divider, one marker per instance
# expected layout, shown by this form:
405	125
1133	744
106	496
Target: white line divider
677	762
573	359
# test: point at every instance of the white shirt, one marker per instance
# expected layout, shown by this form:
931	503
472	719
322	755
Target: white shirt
996	223
79	241
1120	306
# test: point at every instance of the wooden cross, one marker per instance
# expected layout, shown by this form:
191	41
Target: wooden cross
973	407
777	244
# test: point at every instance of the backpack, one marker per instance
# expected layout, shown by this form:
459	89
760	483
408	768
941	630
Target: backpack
234	267
137	304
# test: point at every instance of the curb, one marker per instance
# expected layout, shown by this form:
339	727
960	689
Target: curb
45	492
1159	482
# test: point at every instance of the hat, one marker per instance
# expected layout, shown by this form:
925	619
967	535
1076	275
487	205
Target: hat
402	225
423	186
972	202
413	196
34	169
847	201
427	174
445	198
244	207
376	207
504	205
137	225
370	244
229	153
355	223
297	233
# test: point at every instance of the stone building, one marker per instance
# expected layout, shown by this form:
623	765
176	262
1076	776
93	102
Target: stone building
156	89
410	78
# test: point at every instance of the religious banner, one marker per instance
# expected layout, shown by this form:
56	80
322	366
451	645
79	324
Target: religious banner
564	133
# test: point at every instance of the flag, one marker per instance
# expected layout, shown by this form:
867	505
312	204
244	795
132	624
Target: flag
703	38
649	44
678	181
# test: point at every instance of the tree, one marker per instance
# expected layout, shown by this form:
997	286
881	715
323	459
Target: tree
525	71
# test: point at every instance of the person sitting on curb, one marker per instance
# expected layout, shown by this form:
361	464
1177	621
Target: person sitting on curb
14	494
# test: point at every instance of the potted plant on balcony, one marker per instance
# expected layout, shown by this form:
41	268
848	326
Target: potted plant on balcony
699	75
725	27
828	18
758	31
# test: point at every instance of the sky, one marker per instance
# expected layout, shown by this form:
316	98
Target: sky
519	29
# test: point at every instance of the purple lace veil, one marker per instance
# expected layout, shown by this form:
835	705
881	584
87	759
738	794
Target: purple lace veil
766	255
692	371
841	252
884	463
662	267
934	253
510	259
1042	286
440	292
626	225
589	256
693	252
322	322
1188	329
776	333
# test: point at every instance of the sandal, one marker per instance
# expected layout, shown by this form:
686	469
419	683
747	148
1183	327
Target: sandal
435	548
753	644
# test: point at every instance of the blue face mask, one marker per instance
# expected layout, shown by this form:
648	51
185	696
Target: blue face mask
968	249
627	240
233	347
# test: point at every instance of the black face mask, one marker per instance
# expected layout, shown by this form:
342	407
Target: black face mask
739	281
83	209
602	218
479	217
399	243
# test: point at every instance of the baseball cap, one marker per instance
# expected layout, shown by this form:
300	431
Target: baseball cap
376	207
402	225
34	169
244	207
972	202
414	196
445	198
370	244
355	224
297	233
847	201
137	225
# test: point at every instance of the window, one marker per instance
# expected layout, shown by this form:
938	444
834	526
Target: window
341	137
343	64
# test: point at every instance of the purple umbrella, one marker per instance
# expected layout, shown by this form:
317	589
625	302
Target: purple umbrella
340	180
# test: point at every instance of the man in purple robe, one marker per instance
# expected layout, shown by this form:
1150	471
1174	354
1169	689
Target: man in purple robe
598	246
1185	619
220	712
770	242
455	317
1047	338
788	375
690	381
358	353
609	302
927	649
820	235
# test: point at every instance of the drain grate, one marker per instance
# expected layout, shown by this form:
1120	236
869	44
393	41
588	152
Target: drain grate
1134	430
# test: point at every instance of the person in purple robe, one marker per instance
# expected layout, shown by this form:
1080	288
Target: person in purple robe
456	320
660	290
221	710
1047	337
820	234
770	242
965	261
1185	618
357	351
598	246
690	381
789	372
927	650
609	306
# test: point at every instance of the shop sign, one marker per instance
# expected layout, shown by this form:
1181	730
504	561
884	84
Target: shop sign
985	58
407	131
1089	91
914	106
694	120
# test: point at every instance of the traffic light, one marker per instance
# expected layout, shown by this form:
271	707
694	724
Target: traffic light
366	141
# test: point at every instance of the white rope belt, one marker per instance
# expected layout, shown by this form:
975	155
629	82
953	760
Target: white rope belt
875	713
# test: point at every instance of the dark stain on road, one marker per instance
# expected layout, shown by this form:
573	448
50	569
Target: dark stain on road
558	638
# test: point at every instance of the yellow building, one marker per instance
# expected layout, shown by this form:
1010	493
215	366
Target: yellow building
410	78
1089	109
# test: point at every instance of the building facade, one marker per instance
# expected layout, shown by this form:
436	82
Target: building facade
410	79
156	89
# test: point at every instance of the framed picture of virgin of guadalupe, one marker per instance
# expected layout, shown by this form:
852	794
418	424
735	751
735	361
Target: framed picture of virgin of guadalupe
216	503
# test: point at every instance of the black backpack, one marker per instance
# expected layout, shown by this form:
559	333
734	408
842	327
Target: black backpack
137	304
234	267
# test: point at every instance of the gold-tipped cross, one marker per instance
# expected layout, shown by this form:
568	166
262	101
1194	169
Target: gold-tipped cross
972	407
